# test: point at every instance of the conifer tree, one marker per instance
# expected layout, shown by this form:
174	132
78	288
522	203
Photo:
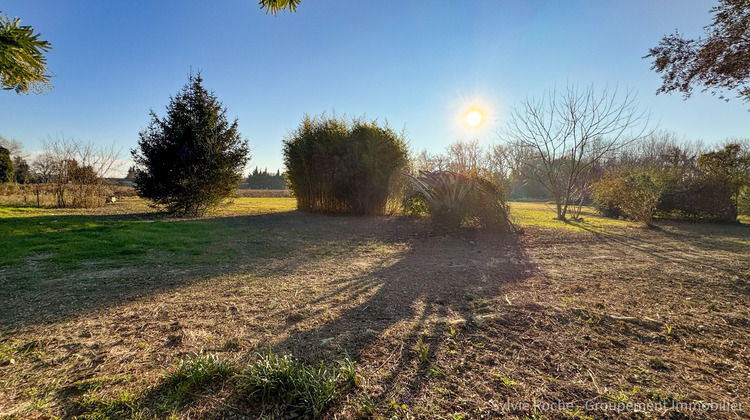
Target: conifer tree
193	158
6	166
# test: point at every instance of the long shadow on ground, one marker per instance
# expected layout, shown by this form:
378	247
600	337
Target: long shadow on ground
439	282
78	264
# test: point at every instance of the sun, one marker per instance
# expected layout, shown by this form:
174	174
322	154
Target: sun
473	118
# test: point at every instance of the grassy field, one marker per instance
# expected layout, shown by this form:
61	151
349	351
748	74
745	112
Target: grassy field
122	312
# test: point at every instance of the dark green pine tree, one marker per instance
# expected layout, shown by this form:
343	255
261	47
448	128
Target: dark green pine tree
6	166
193	158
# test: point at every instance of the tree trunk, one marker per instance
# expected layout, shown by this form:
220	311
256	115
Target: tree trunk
559	205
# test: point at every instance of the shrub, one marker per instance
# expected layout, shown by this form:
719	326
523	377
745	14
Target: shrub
632	193
445	193
454	198
488	205
339	166
192	159
697	196
415	204
743	201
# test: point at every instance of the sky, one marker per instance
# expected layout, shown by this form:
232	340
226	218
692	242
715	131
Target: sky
420	65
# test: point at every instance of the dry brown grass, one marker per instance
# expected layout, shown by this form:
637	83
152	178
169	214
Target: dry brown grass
440	327
43	195
264	193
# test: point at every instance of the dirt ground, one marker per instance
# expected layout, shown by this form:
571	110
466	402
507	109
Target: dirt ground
549	323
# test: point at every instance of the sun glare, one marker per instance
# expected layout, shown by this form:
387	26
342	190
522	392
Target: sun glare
474	118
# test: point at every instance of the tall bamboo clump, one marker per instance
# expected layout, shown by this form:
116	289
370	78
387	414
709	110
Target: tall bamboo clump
343	166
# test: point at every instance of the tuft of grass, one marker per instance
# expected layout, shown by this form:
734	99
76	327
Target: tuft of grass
423	349
452	331
367	407
617	397
199	373
506	381
297	389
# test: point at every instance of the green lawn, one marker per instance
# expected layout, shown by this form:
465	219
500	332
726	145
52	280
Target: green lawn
70	238
130	231
543	215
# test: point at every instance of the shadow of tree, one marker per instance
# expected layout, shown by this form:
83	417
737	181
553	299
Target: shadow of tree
41	291
438	281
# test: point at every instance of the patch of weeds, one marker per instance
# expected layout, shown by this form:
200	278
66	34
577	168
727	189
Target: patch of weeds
397	411
297	389
567	302
665	398
477	345
436	372
200	372
39	398
423	349
94	384
509	383
617	397
122	407
367	407
656	363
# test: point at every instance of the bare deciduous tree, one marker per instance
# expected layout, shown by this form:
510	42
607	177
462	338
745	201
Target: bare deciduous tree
557	140
78	170
430	163
14	146
43	168
464	156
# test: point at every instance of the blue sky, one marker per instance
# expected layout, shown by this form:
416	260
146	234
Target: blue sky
419	64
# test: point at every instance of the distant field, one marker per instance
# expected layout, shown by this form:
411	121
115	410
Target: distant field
99	307
264	193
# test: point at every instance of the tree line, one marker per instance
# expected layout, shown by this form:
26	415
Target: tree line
263	180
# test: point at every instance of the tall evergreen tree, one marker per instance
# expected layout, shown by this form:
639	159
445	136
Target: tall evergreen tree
6	166
23	170
193	158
